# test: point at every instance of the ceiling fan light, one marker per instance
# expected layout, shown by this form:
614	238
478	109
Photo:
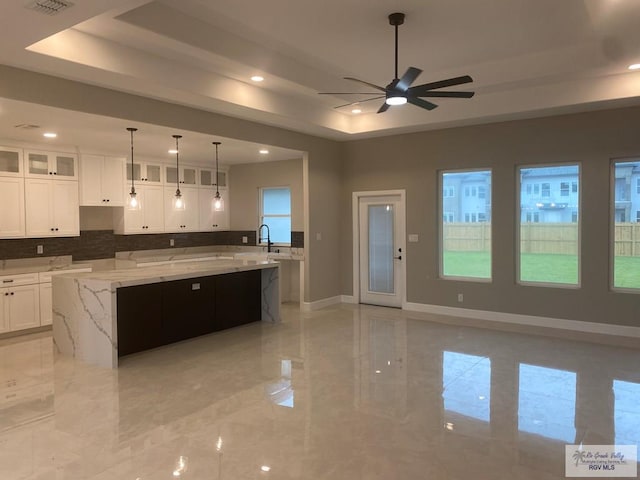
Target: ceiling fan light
396	100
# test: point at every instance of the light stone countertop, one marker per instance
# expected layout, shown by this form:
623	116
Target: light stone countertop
174	271
36	265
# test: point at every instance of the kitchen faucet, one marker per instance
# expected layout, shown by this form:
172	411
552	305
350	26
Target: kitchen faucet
268	236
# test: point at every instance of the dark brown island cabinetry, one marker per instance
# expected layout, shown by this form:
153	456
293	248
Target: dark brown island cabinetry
157	314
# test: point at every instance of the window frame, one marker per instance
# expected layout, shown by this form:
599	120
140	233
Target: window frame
612	223
441	223
261	215
518	223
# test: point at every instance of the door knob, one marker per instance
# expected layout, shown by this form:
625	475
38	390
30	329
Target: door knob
399	257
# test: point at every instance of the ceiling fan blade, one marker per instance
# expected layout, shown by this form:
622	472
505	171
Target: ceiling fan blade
347	93
360	101
408	78
383	108
418	90
448	94
418	102
377	87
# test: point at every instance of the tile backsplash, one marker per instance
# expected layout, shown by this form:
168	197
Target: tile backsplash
100	244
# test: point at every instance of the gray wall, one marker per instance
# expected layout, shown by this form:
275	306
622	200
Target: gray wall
245	181
412	162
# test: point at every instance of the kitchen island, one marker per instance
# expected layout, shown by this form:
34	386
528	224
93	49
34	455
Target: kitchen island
99	317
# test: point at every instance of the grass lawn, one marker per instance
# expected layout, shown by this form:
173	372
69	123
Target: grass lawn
539	267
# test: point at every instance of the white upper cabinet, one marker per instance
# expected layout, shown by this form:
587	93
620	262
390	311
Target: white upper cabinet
210	220
188	175
51	208
181	220
207	177
12	210
149	218
101	180
10	162
148	172
63	166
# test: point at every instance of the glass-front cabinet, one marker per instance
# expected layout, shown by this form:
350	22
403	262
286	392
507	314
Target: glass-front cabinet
63	166
10	162
145	172
207	177
188	175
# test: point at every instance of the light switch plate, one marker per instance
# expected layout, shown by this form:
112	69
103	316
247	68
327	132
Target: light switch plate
318	236
40	249
171	242
413	237
195	286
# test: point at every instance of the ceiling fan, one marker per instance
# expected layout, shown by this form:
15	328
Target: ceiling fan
400	91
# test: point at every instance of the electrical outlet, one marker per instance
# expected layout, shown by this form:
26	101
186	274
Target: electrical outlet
413	237
245	239
171	242
40	249
460	298
318	236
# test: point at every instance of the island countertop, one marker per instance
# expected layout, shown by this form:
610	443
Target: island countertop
175	271
85	305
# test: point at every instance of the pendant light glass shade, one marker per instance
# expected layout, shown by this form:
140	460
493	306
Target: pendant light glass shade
133	203
217	203
178	201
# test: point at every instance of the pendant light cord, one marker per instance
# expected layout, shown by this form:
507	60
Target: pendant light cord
177	165
131	130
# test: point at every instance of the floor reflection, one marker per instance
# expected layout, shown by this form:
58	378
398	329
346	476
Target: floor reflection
351	392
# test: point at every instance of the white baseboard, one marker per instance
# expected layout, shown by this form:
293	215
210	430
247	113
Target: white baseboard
529	320
318	304
348	299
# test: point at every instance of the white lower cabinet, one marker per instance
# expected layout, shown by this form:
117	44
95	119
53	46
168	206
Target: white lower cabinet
181	220
211	220
52	208
20	307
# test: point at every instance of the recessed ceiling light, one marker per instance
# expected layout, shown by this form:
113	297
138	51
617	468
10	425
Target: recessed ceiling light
173	151
50	135
263	151
265	468
257	78
356	110
635	66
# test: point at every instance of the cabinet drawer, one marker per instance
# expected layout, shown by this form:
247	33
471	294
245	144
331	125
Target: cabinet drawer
19	279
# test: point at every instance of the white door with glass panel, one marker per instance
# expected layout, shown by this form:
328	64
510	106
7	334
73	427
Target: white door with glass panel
381	232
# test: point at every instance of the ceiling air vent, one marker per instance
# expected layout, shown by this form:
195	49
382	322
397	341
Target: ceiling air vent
26	126
48	7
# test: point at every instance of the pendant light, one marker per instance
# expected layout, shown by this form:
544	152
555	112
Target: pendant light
133	203
218	202
178	201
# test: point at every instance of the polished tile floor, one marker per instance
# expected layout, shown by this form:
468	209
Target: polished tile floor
349	392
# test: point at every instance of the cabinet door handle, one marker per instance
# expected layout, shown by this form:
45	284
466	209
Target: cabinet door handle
11	293
55	173
56	229
6	294
399	257
7	281
52	229
50	173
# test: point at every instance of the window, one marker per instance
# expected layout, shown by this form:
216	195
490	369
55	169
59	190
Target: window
465	247
626	225
448	192
564	189
546	190
275	211
549	247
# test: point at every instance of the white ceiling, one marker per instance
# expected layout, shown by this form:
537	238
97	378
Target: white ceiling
527	57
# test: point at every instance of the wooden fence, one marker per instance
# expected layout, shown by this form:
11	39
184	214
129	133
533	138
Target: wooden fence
561	238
